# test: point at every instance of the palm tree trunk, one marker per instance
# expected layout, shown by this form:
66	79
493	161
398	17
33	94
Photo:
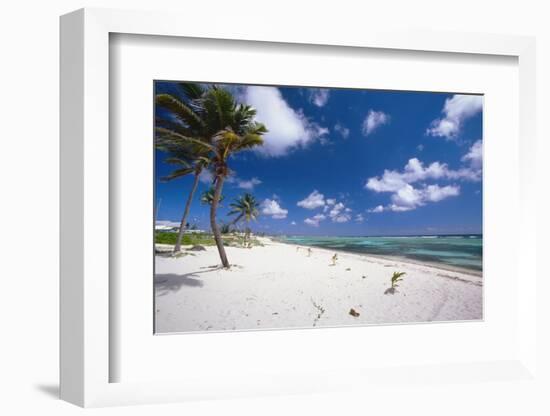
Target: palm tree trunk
177	247
214	225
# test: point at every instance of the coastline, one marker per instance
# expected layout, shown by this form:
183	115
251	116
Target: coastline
278	285
406	260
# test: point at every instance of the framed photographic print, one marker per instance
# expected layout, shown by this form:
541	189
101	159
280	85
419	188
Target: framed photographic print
371	233
342	183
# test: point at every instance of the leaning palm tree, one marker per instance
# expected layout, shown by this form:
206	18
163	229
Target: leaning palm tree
191	158
187	163
242	132
245	207
225	128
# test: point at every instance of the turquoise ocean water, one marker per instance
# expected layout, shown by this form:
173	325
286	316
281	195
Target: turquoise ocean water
464	251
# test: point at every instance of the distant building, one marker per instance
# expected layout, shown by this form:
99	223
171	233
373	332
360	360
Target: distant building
174	229
166	228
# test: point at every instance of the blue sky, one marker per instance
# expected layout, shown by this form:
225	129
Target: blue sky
350	162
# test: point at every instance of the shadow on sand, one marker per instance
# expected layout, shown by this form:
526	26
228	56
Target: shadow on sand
170	282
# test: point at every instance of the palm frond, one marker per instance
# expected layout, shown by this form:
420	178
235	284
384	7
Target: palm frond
185	139
179	109
192	90
178	173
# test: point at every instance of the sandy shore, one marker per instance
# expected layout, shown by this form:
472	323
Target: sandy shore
280	286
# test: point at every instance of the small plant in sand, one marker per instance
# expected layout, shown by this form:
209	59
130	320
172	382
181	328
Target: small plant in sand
334	259
394	279
309	252
320	311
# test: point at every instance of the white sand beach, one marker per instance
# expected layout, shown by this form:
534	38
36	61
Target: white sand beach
280	286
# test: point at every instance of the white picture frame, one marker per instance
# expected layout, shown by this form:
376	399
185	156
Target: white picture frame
86	355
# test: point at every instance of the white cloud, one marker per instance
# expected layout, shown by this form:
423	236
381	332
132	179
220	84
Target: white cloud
288	128
456	110
474	155
343	131
409	198
435	193
359	218
406	197
314	200
293	223
339	213
414	171
272	208
334	210
315	220
248	184
377	209
374	120
206	177
319	96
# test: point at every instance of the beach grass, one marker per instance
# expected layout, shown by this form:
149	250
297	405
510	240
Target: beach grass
204	239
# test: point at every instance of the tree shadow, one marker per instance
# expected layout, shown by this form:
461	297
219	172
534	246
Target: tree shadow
170	282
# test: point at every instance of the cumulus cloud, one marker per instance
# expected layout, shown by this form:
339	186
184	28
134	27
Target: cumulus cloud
340	129
435	193
271	208
288	128
406	197
314	200
474	155
206	177
319	96
339	213
335	211
315	220
293	223
359	218
456	110
414	171
377	209
374	120
248	184
409	198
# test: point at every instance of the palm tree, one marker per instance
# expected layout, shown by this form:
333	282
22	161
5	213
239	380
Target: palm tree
223	128
187	163
241	132
245	208
208	196
191	158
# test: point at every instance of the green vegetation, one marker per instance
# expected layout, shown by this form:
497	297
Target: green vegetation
193	239
394	279
187	239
